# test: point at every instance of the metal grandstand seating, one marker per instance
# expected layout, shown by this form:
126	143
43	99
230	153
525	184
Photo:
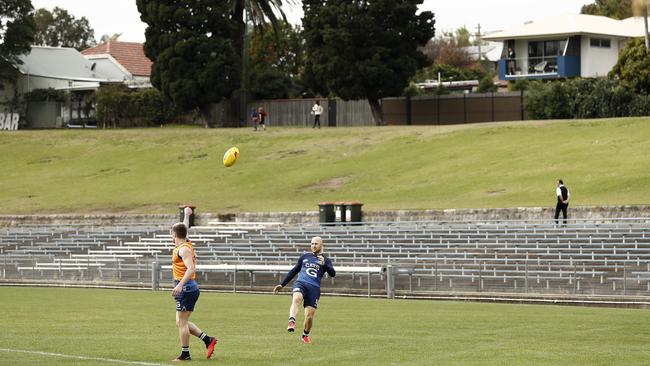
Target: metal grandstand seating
605	257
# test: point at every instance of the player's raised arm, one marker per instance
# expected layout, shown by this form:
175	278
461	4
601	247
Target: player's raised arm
187	211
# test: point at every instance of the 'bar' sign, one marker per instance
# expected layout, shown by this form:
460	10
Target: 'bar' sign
9	121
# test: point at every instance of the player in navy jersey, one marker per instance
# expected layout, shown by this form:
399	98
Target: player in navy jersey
310	268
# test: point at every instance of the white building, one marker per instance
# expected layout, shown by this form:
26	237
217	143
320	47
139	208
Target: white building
564	46
62	69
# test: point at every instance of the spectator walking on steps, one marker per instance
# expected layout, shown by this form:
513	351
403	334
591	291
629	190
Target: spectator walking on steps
563	197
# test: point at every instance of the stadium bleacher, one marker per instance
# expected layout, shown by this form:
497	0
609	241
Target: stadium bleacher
585	257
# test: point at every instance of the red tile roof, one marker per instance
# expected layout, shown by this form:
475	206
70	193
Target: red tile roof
128	54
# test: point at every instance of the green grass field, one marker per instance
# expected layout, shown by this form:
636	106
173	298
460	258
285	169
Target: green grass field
604	162
137	327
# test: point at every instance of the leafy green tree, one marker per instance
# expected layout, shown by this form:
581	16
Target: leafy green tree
59	28
463	37
487	85
364	48
617	9
633	66
16	35
190	43
275	68
255	12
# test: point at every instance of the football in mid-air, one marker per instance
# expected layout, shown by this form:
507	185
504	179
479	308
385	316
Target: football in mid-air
230	157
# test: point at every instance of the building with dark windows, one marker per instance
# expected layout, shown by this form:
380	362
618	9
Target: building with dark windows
564	46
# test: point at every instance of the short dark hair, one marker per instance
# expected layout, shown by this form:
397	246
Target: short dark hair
180	230
560	181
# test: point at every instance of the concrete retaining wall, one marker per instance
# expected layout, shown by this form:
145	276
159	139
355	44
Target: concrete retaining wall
517	213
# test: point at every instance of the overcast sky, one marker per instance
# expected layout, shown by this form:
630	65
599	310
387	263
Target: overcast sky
121	16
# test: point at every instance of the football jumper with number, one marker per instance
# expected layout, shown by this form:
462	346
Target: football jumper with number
310	270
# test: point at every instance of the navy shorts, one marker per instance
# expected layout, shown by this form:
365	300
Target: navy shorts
310	294
188	298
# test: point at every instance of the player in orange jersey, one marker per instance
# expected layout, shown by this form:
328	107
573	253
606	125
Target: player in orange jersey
186	290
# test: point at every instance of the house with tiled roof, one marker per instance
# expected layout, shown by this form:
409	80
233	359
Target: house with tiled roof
123	61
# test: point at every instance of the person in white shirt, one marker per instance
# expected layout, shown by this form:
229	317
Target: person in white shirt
563	196
317	110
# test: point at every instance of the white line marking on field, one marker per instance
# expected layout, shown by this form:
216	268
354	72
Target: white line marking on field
81	357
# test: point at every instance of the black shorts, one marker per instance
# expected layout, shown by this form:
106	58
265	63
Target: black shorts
310	294
187	299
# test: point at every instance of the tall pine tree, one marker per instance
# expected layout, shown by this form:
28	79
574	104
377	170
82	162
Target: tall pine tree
191	45
16	35
364	49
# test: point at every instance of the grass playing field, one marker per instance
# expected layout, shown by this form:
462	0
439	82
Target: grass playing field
58	326
603	162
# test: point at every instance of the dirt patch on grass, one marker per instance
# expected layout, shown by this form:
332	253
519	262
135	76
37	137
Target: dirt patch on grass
495	192
286	153
328	184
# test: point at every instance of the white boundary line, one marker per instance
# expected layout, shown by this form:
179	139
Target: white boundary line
102	359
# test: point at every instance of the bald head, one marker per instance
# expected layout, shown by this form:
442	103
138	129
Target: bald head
316	244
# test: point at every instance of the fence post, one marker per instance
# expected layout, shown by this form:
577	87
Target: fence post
390	282
464	107
155	268
526	279
438	110
624	279
492	106
234	280
369	274
480	276
409	119
331	112
435	282
521	101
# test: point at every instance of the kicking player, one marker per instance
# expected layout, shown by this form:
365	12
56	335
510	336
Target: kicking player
186	290
311	266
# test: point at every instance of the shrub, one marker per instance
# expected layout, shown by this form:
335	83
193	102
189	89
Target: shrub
582	98
487	85
640	106
117	106
633	66
548	101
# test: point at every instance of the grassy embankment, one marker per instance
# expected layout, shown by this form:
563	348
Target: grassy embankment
604	162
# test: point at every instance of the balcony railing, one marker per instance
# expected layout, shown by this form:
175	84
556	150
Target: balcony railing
539	67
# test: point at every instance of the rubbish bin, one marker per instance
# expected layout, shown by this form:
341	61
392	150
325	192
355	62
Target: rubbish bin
353	212
339	212
326	212
181	208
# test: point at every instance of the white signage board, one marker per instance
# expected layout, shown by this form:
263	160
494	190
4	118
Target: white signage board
9	121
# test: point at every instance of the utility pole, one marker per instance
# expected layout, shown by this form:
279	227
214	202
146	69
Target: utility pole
478	39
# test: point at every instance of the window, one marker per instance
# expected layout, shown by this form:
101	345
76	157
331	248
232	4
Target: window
600	42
